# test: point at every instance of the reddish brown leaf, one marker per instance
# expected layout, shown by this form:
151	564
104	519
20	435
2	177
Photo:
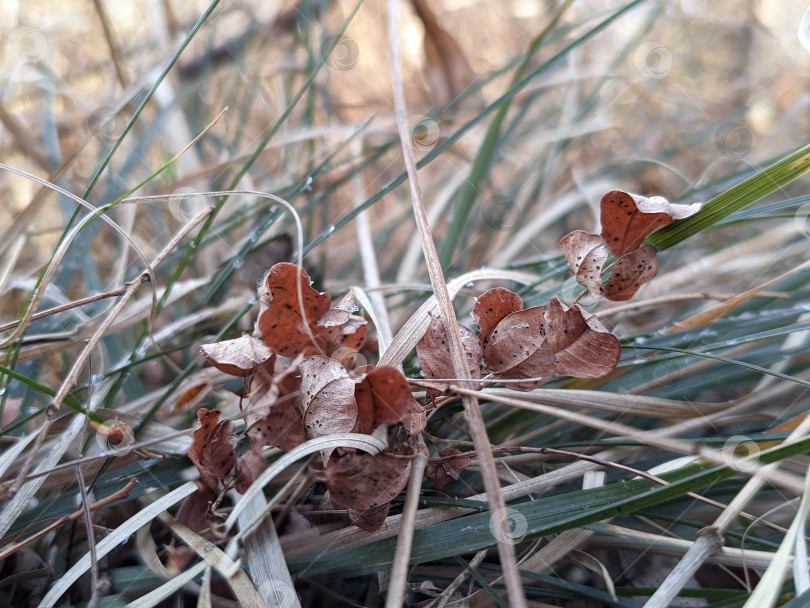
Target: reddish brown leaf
492	306
433	351
328	396
624	227
211	449
586	255
630	272
361	481
237	357
582	350
443	470
383	397
280	324
627	219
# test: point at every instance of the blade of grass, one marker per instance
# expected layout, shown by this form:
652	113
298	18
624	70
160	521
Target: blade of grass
734	199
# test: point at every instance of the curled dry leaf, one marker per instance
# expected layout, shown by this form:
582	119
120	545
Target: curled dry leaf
237	357
586	254
492	306
360	481
628	219
583	348
329	404
433	351
383	397
443	470
211	449
280	324
630	272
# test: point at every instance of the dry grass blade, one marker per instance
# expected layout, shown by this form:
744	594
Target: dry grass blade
475	421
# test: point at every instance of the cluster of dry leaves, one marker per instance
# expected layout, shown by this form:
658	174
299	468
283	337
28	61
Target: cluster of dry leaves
303	381
527	347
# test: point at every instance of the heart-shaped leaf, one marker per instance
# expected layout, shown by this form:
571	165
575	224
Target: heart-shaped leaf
518	349
628	219
360	481
630	272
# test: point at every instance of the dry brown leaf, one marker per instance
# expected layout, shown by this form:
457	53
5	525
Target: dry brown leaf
442	470
628	219
329	404
211	449
583	348
360	481
279	323
433	351
586	254
237	357
383	397
492	306
630	272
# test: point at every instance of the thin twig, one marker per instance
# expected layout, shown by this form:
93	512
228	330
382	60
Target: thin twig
475	421
402	555
63	307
